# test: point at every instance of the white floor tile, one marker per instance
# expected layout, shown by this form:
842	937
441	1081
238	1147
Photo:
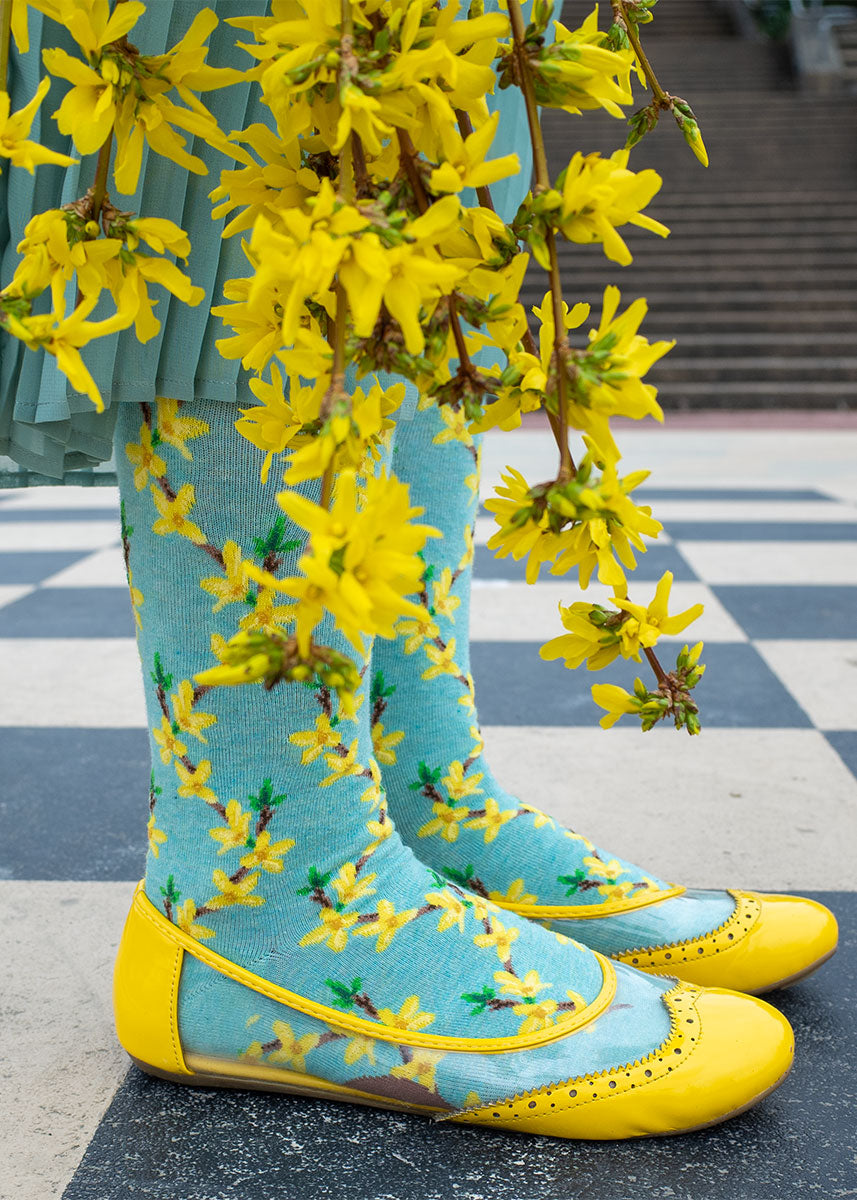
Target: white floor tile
76	682
104	568
843	489
823	563
750	808
37	498
737	511
58	535
821	675
506	611
61	1061
704	458
10	592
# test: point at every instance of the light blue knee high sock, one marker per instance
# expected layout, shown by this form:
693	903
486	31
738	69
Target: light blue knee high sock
445	800
269	836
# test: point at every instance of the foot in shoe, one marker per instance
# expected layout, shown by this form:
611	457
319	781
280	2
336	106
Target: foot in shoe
284	936
455	815
643	1057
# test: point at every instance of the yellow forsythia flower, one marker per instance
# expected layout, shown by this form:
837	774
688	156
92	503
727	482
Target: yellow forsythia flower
600	193
361	562
14	128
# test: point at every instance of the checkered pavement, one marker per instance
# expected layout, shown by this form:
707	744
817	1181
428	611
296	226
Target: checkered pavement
766	797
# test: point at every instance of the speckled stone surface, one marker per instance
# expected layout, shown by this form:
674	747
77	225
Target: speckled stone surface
166	1142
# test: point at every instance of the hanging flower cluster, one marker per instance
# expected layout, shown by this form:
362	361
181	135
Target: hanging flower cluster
74	254
364	254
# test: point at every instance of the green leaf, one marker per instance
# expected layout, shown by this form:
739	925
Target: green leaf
479	1000
171	892
343	995
159	677
572	882
380	689
126	529
462	878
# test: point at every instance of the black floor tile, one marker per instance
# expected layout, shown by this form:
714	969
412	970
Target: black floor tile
789	610
516	687
761	531
21	516
32	566
646	494
101	612
650	566
161	1141
73	803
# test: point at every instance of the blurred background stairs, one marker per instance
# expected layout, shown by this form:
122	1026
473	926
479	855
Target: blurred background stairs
758	280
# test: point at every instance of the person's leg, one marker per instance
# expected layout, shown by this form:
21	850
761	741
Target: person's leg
460	820
285	935
457	816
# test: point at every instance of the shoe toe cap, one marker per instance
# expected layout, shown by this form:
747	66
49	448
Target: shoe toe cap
792	937
726	1052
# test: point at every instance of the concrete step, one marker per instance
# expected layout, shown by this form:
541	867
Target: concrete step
757	394
727	342
672	255
689	228
715	279
688	245
813	206
775	368
787	325
681	18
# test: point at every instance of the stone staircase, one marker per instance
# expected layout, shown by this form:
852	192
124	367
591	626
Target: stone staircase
846	37
758	280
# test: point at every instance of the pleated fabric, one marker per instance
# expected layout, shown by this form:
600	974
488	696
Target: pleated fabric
48	428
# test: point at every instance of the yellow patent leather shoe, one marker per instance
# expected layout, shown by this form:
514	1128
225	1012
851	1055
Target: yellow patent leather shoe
723	1053
769	942
686	1086
758	942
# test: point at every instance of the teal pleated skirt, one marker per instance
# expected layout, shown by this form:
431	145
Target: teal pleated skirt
49	433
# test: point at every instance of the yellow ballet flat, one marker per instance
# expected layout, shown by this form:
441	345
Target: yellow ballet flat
703	1075
769	942
724	1051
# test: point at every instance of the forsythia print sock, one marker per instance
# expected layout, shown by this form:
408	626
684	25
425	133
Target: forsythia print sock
270	840
443	797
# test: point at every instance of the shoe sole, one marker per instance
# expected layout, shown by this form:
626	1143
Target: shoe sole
325	1091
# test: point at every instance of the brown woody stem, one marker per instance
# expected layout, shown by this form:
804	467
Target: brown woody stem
99	187
660	674
623	20
5	37
407	158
